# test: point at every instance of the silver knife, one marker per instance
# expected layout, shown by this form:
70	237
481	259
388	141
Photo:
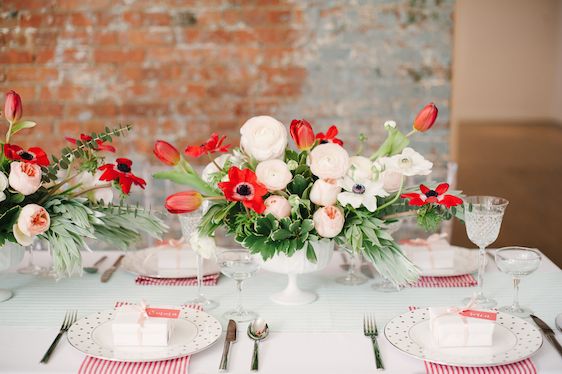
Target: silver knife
548	333
109	272
230	338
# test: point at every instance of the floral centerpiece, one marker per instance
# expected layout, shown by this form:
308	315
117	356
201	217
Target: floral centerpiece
277	199
68	198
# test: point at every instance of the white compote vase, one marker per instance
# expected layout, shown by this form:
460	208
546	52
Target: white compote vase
11	255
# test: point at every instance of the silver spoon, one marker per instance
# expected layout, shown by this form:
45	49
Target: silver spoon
94	268
558	322
257	331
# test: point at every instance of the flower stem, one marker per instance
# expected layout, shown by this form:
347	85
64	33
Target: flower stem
9	133
388	203
105	185
400	215
411	133
214	162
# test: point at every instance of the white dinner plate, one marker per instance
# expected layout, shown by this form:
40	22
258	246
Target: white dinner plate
514	340
193	332
144	262
466	262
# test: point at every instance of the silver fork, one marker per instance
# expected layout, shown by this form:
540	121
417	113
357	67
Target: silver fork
69	318
370	331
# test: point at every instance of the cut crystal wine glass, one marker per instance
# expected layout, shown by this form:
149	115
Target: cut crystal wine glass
352	277
483	216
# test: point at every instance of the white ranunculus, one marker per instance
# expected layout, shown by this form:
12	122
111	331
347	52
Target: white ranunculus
325	192
361	192
391	179
273	174
25	178
409	163
204	246
88	181
3	185
360	167
329	161
263	138
328	221
211	168
278	206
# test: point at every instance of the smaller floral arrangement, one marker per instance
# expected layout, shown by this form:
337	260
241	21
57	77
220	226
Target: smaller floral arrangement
274	198
69	198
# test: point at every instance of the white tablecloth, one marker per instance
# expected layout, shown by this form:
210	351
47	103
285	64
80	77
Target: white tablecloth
324	337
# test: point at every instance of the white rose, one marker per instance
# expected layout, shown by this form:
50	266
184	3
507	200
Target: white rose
325	192
204	246
3	186
273	174
329	161
25	178
211	168
263	138
409	163
328	221
360	168
278	206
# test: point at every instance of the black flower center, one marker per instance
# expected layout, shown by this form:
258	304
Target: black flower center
323	141
124	168
26	156
431	193
358	189
244	189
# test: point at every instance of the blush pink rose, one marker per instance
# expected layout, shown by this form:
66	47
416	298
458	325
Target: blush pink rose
278	206
328	221
32	221
325	192
24	177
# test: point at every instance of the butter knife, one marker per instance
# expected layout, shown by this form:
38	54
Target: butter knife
548	333
230	338
109	272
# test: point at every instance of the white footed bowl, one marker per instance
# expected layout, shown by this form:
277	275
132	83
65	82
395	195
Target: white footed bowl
298	264
11	255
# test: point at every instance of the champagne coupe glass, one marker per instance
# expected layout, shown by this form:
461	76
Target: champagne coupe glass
189	223
352	278
238	265
519	262
483	218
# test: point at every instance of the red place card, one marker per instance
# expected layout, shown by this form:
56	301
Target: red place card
491	316
163	313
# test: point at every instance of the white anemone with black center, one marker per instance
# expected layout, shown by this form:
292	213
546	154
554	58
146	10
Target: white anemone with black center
361	192
409	163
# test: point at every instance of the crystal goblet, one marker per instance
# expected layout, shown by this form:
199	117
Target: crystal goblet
352	277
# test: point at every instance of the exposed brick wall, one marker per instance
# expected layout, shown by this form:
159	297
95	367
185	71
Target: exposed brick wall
179	69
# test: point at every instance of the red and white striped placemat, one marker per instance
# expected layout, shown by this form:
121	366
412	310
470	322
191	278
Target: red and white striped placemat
525	366
466	280
93	365
208	280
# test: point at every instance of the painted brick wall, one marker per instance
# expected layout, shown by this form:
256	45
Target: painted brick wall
179	69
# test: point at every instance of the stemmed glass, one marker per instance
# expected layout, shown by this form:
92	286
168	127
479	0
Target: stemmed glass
519	262
189	223
483	217
31	267
352	277
238	265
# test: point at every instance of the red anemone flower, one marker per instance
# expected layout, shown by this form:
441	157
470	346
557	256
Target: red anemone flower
330	136
436	196
121	172
214	144
33	155
243	186
100	143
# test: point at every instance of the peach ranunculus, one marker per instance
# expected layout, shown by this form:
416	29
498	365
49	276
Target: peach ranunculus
328	221
278	206
325	192
25	177
32	221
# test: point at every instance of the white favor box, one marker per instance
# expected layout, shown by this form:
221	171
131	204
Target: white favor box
127	331
454	330
175	259
439	255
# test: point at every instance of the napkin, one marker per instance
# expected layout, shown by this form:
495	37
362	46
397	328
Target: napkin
93	365
133	326
466	280
435	252
208	280
521	367
460	327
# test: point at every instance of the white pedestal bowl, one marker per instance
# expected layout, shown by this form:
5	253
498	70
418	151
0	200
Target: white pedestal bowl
294	265
11	255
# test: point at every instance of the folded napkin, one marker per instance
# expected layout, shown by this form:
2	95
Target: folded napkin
435	252
462	327
521	367
208	280
93	365
466	280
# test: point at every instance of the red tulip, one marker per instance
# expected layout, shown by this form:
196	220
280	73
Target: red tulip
302	134
426	118
166	153
12	107
184	202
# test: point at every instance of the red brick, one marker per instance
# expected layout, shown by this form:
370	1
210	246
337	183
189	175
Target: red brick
81	20
147	37
43	108
30	73
16	57
27	92
118	55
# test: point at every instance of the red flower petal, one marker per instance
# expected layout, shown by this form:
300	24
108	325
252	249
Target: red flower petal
442	188
450	201
124	161
424	189
417	202
257	205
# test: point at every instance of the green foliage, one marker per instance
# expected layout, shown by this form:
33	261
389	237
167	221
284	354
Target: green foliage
7	221
187	179
394	143
20	125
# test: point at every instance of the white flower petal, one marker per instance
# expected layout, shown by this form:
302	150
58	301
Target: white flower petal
350	198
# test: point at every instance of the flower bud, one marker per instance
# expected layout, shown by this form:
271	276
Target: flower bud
426	118
278	206
12	107
328	221
302	134
166	153
184	202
